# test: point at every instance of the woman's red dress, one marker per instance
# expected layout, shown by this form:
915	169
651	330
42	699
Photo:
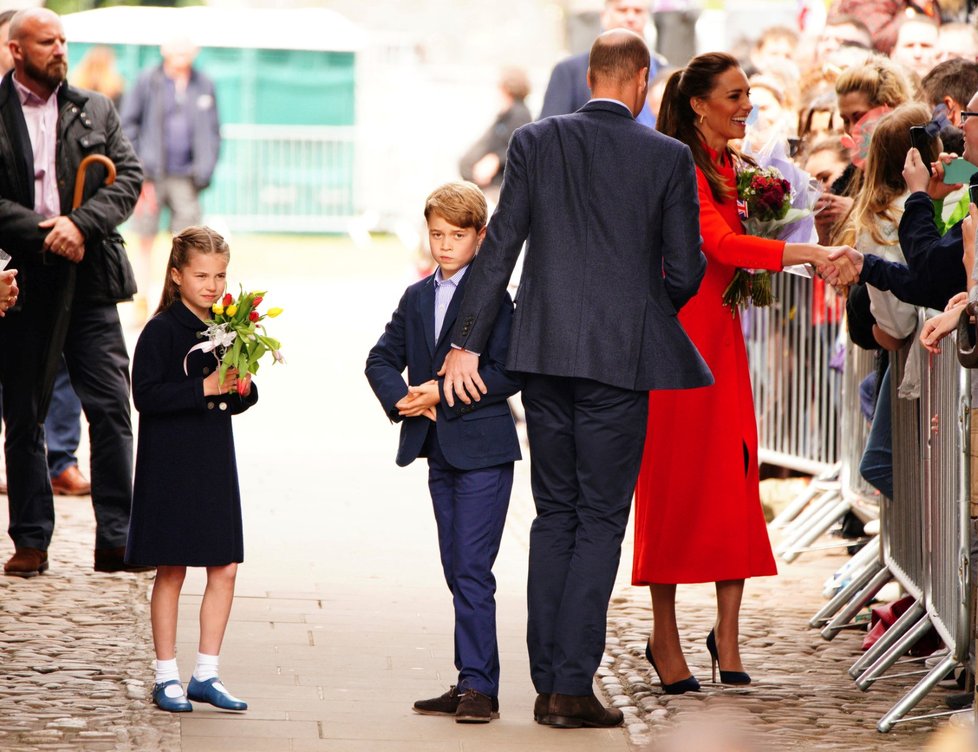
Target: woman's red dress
698	515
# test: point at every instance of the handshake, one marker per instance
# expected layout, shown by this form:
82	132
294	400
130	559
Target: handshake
839	266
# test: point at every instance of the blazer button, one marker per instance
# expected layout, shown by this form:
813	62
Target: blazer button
210	405
223	405
206	370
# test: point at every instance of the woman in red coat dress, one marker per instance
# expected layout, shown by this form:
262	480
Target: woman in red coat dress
698	511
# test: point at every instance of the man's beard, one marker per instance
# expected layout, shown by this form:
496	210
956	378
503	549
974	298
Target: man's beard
52	76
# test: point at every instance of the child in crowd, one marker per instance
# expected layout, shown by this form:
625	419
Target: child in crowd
470	448
186	508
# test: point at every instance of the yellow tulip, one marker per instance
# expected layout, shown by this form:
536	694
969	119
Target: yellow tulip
273	312
232	309
218	309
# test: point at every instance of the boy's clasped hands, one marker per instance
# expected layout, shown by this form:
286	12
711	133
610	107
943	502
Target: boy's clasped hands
420	401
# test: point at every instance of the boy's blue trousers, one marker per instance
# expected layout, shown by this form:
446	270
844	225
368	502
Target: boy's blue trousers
470	509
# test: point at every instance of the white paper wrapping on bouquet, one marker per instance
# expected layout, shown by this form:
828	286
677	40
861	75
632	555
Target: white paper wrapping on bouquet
799	225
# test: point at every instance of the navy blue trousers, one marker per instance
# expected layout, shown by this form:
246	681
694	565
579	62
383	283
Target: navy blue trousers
470	509
586	442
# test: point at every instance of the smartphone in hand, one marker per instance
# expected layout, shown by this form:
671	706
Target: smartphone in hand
921	142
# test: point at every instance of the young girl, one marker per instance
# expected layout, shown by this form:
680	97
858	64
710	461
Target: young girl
186	507
875	221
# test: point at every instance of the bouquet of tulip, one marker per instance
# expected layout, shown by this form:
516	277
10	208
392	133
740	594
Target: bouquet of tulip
774	201
237	337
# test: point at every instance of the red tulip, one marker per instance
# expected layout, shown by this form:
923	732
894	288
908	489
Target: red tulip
228	300
253	316
243	385
257	300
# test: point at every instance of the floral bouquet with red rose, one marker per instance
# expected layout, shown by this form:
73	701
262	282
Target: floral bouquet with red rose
237	337
774	200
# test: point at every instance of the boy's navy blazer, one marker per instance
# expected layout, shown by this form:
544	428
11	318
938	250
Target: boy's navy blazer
473	436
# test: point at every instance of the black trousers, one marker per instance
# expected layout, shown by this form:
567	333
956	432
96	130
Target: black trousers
586	442
98	364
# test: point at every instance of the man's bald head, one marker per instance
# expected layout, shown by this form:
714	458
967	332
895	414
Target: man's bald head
616	56
618	68
39	49
25	20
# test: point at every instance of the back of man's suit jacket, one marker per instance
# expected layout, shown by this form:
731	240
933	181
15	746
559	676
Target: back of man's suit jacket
610	212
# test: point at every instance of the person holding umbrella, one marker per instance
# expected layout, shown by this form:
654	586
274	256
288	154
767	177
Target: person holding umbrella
63	257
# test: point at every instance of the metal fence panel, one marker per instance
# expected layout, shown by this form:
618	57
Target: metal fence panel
947	400
284	179
903	517
796	393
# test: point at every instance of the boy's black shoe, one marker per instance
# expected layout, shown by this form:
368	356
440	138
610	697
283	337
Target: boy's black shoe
475	707
447	704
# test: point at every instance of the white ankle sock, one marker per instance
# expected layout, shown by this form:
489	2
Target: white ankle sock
167	671
206	667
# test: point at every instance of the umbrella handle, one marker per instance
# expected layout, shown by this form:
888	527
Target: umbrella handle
80	175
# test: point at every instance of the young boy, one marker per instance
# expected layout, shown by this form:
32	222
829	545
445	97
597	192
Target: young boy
470	448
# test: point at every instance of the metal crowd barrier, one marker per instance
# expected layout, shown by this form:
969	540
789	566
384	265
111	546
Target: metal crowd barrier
795	391
801	418
924	532
284	178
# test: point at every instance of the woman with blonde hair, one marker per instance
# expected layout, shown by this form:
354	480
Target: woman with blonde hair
865	93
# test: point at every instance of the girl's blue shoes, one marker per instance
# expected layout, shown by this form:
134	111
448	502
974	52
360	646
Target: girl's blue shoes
213	692
177	704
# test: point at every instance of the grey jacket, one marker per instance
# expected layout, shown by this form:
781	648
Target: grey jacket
142	121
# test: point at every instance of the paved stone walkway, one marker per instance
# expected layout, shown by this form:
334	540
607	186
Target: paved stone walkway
74	651
801	696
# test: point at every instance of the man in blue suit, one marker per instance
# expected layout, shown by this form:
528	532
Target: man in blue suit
470	447
610	211
568	88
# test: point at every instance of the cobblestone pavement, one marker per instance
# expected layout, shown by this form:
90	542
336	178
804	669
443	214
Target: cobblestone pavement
801	698
75	651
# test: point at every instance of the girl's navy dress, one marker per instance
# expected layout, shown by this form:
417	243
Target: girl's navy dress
186	507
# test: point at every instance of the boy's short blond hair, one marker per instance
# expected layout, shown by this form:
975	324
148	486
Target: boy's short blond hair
461	204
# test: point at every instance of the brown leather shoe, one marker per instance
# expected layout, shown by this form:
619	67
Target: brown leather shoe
541	709
475	707
574	711
447	704
114	560
71	483
26	562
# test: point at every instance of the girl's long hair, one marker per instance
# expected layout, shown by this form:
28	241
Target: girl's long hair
882	179
677	119
192	240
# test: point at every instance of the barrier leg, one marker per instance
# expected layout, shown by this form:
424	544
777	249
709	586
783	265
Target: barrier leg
816	529
900	648
816	487
899	628
857	583
797	528
916	694
865	558
856	604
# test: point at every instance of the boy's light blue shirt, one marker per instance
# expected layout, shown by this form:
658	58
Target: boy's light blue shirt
444	292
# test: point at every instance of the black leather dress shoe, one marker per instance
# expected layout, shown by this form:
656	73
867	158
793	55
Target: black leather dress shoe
575	711
114	560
